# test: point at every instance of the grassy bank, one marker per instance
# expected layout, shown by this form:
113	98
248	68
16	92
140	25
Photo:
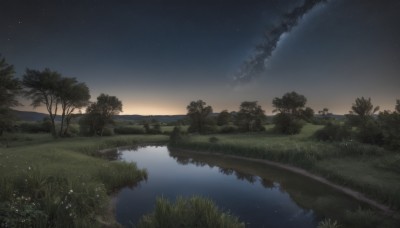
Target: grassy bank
54	183
365	168
188	212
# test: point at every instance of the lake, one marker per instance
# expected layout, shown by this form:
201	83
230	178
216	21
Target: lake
260	195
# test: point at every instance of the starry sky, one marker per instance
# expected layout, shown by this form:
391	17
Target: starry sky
157	56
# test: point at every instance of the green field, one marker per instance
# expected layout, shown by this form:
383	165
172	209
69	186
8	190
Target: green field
366	168
56	180
47	182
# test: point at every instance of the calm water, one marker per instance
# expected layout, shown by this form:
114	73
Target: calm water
259	195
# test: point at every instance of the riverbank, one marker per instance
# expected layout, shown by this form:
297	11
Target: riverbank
366	169
357	195
63	182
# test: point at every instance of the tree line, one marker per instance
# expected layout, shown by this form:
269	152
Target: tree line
290	118
59	94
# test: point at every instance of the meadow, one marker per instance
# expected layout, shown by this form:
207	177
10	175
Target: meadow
59	183
368	169
49	182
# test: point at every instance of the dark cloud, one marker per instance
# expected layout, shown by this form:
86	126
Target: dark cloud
255	65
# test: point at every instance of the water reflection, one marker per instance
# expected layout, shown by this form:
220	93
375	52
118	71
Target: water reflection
260	195
308	194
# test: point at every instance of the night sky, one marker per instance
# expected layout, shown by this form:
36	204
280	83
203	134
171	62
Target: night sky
157	56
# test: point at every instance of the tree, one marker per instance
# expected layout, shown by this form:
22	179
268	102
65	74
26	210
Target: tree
290	108
307	114
324	112
223	118
9	89
250	116
361	116
389	122
364	108
42	88
198	113
73	95
100	113
290	103
397	108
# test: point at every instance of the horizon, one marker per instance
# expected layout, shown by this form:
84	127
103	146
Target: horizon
158	56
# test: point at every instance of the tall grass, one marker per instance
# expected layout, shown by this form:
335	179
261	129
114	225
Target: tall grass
188	212
54	183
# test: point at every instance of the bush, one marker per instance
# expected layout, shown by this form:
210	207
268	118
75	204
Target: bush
328	223
128	130
107	132
370	132
333	132
287	124
34	128
175	136
390	125
228	129
191	212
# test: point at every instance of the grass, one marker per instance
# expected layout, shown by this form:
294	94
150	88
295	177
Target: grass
54	183
368	169
188	212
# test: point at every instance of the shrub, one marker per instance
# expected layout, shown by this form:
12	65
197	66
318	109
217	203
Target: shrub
333	132
287	124
370	132
108	131
390	125
191	212
228	129
128	130
34	128
362	218
175	136
328	223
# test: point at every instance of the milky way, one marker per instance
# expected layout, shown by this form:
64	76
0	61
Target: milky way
255	65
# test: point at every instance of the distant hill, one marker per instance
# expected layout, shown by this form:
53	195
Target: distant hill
37	116
30	116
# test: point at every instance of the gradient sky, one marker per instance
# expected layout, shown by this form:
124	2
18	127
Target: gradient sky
157	56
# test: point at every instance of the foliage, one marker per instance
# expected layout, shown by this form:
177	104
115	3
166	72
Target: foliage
364	108
361	116
390	125
290	108
42	88
307	114
176	135
228	129
328	223
370	132
363	218
48	183
198	114
126	130
287	124
290	103
223	118
189	212
35	127
333	132
73	95
250	117
99	114
9	88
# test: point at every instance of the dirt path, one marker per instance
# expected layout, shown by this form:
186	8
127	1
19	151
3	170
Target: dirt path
357	195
